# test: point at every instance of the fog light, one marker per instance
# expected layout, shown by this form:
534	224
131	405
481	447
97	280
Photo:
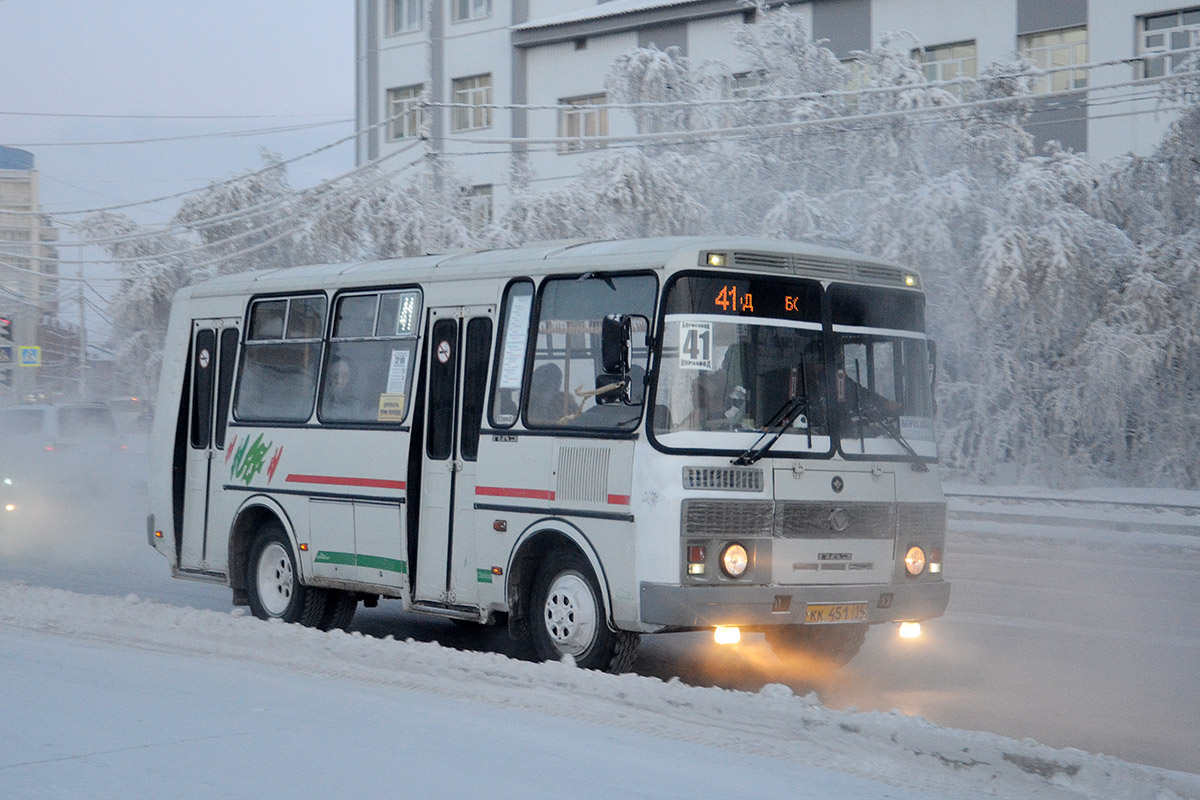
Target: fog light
734	560
914	561
727	635
9	507
910	630
935	560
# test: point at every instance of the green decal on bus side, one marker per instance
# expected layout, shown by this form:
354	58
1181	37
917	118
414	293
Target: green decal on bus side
483	575
250	460
371	562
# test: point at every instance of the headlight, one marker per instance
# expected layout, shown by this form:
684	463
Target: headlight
734	560
914	561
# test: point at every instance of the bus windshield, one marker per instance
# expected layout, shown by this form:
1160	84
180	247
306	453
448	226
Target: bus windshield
743	358
883	373
740	355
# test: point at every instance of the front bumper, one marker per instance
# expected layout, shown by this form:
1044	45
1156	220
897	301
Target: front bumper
677	606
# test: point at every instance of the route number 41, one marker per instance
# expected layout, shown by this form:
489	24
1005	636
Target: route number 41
695	347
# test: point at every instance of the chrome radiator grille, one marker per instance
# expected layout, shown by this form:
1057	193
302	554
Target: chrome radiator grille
723	519
829	521
728	519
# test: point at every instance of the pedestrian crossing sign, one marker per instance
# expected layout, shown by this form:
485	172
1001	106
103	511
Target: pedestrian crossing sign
31	357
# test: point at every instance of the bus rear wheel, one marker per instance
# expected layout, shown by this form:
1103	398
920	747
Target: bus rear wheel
831	645
568	619
273	582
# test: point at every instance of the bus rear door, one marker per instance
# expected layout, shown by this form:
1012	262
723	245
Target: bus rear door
459	352
214	357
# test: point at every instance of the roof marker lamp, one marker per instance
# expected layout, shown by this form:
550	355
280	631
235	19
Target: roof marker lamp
910	280
715	260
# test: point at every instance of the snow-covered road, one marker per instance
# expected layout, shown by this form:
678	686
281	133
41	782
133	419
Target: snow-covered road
1077	638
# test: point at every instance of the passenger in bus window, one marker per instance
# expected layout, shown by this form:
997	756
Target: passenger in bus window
548	403
342	399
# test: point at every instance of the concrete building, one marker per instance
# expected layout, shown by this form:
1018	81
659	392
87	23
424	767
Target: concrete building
546	54
29	288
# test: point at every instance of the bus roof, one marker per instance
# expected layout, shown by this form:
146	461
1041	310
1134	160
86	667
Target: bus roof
750	253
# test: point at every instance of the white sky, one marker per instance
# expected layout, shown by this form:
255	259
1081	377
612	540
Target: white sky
287	63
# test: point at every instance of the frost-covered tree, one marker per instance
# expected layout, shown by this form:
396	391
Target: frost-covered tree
1062	293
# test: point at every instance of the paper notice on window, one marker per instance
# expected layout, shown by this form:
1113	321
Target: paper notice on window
398	372
391	408
516	336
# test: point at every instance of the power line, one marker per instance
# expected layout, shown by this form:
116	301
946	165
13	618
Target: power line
190	136
67	115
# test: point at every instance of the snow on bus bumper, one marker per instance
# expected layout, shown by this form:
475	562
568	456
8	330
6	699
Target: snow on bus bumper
675	606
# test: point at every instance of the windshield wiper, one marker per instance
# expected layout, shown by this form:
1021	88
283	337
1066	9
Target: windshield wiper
779	423
883	421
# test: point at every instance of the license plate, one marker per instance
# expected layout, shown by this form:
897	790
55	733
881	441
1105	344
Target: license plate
817	613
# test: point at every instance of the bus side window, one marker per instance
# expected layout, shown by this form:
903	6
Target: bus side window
278	373
568	385
510	359
367	376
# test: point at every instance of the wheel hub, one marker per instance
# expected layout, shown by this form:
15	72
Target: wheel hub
276	578
570	614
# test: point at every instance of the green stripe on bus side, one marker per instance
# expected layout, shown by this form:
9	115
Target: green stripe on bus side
351	560
385	564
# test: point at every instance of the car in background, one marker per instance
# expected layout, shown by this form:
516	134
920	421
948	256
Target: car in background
68	445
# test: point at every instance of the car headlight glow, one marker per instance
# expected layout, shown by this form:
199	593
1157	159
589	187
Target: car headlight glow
734	560
914	561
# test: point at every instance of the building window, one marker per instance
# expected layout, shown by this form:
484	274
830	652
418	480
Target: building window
946	62
405	15
461	10
1054	50
406	114
858	80
479	207
473	100
1166	39
747	84
585	123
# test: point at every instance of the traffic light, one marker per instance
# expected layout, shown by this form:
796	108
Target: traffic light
6	350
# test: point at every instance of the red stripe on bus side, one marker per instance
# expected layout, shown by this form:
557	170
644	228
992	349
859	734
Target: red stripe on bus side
618	499
501	491
334	480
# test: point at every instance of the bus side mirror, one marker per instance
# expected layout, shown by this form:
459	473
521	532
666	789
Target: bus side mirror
615	335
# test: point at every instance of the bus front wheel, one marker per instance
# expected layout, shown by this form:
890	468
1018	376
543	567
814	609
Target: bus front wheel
273	580
568	619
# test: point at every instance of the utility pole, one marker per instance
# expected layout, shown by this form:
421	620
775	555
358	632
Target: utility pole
82	340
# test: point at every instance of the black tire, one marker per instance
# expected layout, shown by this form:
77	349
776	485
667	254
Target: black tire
830	645
273	581
567	617
339	610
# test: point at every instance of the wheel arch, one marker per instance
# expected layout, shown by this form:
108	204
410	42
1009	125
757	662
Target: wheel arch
532	547
255	512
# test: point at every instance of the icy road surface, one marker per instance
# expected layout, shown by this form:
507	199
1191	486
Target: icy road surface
1073	637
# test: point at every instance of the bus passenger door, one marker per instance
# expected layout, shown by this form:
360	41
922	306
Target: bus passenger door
459	353
214	356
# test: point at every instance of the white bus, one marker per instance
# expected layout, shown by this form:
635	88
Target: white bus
585	440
